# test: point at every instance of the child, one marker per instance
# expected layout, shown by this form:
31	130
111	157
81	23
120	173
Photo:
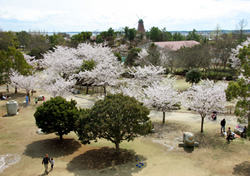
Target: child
52	163
36	99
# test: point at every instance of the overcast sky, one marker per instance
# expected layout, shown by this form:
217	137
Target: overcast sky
90	15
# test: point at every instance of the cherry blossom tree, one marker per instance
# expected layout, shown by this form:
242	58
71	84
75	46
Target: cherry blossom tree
62	61
107	69
162	95
129	88
240	89
205	98
147	57
104	74
66	62
56	85
30	60
234	57
27	83
147	74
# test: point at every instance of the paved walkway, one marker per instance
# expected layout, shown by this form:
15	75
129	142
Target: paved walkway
86	101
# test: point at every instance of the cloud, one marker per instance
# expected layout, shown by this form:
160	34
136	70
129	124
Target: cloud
82	15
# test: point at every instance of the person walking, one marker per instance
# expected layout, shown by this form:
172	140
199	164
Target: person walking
52	163
229	134
223	123
46	161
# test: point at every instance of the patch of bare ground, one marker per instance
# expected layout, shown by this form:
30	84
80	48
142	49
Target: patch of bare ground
159	150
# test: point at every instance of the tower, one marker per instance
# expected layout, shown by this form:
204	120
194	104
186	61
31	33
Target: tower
141	26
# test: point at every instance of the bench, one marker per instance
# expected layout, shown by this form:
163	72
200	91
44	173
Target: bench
239	129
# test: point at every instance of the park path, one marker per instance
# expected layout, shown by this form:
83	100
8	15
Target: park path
88	101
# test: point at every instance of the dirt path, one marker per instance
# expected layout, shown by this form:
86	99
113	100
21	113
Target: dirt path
184	115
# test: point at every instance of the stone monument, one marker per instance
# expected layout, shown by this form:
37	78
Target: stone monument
188	140
12	107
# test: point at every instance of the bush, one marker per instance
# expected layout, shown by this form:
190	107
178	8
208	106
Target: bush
193	76
218	76
181	72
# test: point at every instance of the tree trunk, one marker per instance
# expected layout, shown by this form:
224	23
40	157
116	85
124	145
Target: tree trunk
202	122
15	89
61	137
117	148
248	119
163	120
28	94
7	88
87	90
104	89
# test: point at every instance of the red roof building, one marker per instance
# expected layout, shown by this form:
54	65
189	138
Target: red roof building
175	45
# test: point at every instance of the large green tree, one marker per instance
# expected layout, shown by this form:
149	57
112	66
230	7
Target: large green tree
117	118
192	35
132	56
23	39
193	76
241	88
38	45
7	39
12	60
155	34
57	115
79	38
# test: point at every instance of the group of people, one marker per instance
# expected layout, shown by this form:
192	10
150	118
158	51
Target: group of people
46	161
3	97
230	135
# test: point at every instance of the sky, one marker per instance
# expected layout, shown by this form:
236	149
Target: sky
100	15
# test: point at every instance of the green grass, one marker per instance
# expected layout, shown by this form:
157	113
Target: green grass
182	85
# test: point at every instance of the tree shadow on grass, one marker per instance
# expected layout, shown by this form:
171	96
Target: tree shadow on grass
105	160
211	140
242	169
54	147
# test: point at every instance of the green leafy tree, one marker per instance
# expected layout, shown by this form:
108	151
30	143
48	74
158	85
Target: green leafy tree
12	60
117	118
23	38
241	88
56	40
57	115
99	39
38	45
155	34
7	40
80	38
154	55
132	56
119	57
193	76
130	34
192	35
177	37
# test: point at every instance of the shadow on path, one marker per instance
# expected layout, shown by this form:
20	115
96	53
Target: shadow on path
54	147
105	160
242	169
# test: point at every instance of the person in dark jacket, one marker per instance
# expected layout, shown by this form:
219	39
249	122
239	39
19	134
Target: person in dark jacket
244	131
46	161
223	123
229	134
